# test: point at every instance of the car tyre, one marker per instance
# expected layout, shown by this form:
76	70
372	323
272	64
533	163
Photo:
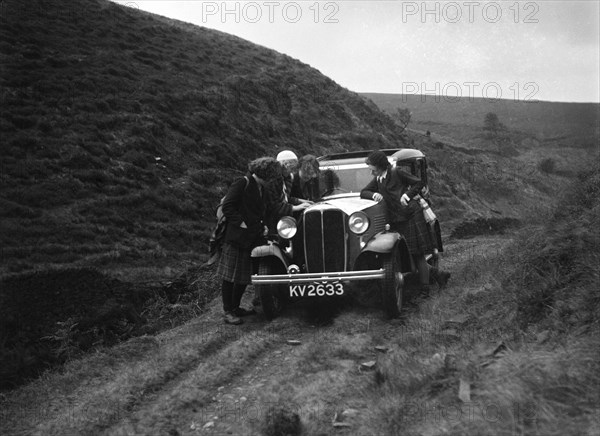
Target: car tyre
271	297
392	285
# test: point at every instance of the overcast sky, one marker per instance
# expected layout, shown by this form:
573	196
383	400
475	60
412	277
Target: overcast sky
545	50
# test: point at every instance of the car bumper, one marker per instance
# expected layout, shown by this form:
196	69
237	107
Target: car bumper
279	279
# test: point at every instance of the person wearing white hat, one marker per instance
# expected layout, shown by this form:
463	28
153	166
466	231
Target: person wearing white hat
289	162
286	155
279	201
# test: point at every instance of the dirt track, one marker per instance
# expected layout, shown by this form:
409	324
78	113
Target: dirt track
206	377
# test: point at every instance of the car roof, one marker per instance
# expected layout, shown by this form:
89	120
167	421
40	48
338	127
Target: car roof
355	157
408	153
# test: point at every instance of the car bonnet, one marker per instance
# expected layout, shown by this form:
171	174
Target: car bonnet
348	205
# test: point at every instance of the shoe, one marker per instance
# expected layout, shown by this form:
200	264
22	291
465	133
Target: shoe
230	318
240	311
442	279
424	291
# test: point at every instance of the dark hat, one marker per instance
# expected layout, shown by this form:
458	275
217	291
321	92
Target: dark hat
378	159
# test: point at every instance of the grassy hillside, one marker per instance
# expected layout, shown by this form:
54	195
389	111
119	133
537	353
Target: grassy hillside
518	335
576	124
121	129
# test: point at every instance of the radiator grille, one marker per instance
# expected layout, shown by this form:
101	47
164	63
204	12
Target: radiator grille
325	240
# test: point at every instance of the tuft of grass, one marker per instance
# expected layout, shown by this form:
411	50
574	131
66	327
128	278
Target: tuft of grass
484	226
280	421
323	355
547	165
557	282
50	317
540	391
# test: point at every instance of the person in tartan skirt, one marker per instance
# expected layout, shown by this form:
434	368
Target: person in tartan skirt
398	188
244	209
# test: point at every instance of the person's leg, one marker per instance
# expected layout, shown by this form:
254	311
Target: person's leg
423	270
238	292
227	293
439	276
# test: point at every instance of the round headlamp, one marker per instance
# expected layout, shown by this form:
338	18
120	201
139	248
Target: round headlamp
286	227
358	222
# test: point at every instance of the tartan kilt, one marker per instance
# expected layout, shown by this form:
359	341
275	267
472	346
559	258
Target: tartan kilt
235	264
417	234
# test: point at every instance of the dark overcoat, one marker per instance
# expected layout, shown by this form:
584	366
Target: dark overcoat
307	190
244	204
394	186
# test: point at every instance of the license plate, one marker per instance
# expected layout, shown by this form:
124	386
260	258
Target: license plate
316	289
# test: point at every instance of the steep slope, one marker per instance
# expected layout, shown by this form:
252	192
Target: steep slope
121	129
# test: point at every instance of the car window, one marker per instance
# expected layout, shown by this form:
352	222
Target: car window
410	168
339	178
344	178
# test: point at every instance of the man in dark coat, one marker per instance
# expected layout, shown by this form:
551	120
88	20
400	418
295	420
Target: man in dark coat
405	215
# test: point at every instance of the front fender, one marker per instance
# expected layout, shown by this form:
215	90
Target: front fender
270	250
382	242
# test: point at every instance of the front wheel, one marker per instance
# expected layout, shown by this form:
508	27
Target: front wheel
271	298
392	285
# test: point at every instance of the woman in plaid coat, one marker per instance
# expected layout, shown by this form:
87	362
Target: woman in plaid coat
244	209
405	215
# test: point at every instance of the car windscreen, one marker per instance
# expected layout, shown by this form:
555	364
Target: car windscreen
344	178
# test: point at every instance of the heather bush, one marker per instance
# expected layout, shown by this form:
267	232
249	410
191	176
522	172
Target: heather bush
25	141
547	165
137	158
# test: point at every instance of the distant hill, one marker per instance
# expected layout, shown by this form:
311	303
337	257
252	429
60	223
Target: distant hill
517	173
546	121
121	129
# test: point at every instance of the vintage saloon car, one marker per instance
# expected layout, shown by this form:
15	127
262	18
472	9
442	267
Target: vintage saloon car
339	240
